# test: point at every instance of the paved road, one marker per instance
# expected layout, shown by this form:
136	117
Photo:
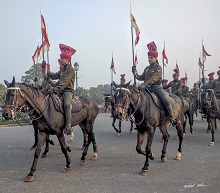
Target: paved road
118	166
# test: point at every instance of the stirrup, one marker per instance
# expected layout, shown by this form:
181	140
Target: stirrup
68	129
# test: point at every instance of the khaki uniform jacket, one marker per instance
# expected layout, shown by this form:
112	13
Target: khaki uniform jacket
194	92
176	87
215	85
185	91
152	75
66	78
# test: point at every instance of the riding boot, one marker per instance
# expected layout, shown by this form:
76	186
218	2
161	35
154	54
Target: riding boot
174	121
68	128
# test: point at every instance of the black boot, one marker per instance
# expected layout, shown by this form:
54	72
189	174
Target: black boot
68	129
173	121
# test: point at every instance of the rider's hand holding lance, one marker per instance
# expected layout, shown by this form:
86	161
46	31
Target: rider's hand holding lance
65	84
152	77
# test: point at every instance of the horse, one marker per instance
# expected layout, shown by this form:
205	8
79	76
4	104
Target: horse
212	106
49	120
195	105
188	113
148	114
109	103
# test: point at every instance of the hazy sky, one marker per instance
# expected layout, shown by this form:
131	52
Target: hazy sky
96	28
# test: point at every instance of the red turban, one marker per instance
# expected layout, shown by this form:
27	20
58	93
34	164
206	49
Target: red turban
165	81
122	78
183	80
152	49
66	51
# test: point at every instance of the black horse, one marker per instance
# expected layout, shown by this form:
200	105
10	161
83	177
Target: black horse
148	114
110	104
212	106
188	113
50	121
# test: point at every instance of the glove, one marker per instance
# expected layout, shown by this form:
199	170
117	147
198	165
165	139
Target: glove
133	69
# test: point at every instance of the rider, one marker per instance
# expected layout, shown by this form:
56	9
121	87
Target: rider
176	86
215	85
164	82
185	88
65	85
152	77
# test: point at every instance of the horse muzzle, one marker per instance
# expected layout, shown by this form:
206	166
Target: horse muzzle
7	113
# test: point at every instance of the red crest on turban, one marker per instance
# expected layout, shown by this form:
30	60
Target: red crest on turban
122	78
152	49
66	51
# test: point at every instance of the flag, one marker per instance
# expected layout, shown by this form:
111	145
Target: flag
42	49
164	56
36	55
112	66
44	30
204	53
200	63
137	30
47	67
135	60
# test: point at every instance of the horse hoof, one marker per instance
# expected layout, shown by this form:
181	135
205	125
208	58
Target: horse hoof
118	134
95	156
144	172
208	130
29	179
51	142
211	143
66	170
83	147
82	162
130	132
184	134
164	160
43	155
192	132
178	158
152	157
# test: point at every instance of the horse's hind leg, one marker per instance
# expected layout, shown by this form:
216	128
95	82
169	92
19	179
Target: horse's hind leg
64	149
85	150
85	137
35	136
41	139
131	128
212	124
48	141
95	149
113	124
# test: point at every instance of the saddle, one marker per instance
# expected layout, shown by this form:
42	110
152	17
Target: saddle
58	103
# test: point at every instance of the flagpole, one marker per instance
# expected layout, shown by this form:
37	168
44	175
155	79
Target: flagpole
132	43
163	61
111	75
199	83
203	66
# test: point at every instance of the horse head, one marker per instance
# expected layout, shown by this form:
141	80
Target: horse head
13	101
122	100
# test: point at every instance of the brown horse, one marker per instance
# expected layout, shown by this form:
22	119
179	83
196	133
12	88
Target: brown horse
109	103
188	113
212	106
50	121
148	114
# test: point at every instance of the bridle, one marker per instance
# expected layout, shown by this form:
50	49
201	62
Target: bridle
125	113
15	109
209	104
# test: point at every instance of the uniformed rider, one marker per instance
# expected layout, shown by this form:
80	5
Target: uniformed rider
152	77
185	88
65	85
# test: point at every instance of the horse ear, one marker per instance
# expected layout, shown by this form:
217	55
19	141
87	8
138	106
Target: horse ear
127	84
13	81
7	83
114	84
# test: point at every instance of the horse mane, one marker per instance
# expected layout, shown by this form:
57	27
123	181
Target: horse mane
36	91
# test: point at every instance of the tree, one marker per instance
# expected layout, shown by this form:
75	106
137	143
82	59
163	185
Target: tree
34	76
3	91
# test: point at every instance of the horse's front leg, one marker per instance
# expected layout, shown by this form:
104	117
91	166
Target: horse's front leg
166	137
149	154
41	139
119	125
140	139
46	150
131	128
35	136
212	125
179	128
64	149
85	137
85	150
113	124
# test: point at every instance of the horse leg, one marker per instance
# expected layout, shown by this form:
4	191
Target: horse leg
35	136
180	136
190	116
113	124
71	137
41	139
140	139
95	149
85	150
166	137
215	124
131	128
119	125
149	154
64	149
85	137
209	125
184	124
212	124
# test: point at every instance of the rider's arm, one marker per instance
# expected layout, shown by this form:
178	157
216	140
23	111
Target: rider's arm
179	89
154	77
53	76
